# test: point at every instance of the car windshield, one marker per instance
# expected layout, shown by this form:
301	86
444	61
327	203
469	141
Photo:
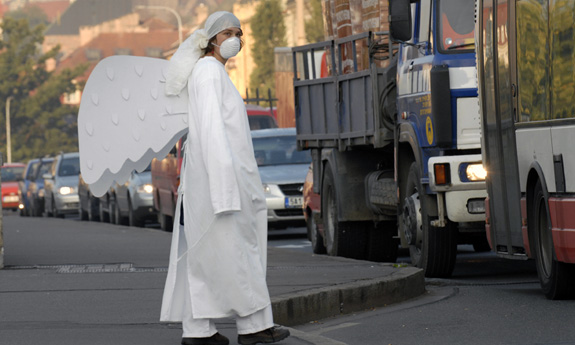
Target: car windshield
278	151
12	174
44	168
69	167
456	26
261	122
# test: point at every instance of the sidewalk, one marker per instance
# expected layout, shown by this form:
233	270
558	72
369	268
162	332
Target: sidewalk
72	282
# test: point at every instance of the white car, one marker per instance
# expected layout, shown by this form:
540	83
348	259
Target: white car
283	170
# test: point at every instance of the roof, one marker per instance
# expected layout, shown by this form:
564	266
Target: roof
88	13
109	44
273	132
53	9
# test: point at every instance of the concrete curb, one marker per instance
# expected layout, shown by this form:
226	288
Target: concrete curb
302	307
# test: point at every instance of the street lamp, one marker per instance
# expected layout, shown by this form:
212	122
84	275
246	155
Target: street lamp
8	134
166	9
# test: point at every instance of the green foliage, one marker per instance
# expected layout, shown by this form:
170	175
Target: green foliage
268	32
40	124
314	30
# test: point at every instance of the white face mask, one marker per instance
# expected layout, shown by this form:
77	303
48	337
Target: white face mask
230	47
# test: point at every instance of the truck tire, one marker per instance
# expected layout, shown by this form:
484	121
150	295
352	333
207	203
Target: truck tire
382	243
93	209
345	239
557	279
431	248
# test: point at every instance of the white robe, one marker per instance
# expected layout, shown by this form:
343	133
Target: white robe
222	248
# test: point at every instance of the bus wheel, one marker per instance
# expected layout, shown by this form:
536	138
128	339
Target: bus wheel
341	238
430	248
557	278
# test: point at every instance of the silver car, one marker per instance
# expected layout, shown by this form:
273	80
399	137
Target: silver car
61	186
132	203
283	170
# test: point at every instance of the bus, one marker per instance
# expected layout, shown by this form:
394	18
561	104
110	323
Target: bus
526	81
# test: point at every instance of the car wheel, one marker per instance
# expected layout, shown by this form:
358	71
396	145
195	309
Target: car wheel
314	236
120	220
83	213
341	238
430	248
93	209
112	210
133	220
104	213
557	278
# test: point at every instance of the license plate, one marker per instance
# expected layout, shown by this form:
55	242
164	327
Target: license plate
294	202
11	198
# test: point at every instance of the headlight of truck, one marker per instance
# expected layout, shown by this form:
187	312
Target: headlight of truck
65	190
146	189
475	172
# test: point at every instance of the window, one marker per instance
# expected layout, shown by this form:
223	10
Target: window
456	26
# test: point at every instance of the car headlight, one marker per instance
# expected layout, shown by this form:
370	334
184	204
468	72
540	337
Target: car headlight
476	172
267	188
66	190
146	188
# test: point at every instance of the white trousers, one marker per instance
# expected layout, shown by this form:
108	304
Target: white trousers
204	328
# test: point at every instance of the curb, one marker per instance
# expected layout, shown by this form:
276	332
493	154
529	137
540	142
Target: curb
299	308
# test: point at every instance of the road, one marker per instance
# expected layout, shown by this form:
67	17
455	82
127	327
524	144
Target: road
487	300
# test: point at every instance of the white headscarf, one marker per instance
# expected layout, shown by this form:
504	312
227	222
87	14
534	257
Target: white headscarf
190	51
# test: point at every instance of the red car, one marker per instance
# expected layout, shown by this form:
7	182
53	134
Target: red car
11	174
312	213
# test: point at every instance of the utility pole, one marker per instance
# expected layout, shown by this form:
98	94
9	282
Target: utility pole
1	223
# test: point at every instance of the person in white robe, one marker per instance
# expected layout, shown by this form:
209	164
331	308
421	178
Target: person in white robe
218	256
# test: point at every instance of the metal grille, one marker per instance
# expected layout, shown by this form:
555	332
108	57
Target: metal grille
292	189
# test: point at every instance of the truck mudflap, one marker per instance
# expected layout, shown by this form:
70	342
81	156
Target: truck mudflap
459	181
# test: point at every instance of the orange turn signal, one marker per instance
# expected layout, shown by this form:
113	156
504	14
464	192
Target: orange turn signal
442	175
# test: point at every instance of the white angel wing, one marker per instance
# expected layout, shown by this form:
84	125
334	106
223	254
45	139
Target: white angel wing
126	120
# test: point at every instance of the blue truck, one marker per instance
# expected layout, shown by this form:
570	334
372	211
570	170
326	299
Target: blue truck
395	135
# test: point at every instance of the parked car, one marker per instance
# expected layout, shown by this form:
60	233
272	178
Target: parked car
260	118
133	202
29	177
283	170
89	205
35	192
312	214
165	182
61	186
11	174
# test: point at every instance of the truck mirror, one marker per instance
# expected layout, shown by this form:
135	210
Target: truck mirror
400	19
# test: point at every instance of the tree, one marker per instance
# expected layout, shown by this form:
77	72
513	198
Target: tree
269	31
40	123
314	30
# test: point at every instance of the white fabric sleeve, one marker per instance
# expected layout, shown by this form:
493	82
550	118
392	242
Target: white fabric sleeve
215	146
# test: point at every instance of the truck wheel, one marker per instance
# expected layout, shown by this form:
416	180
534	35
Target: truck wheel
341	238
557	278
430	248
382	245
314	236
